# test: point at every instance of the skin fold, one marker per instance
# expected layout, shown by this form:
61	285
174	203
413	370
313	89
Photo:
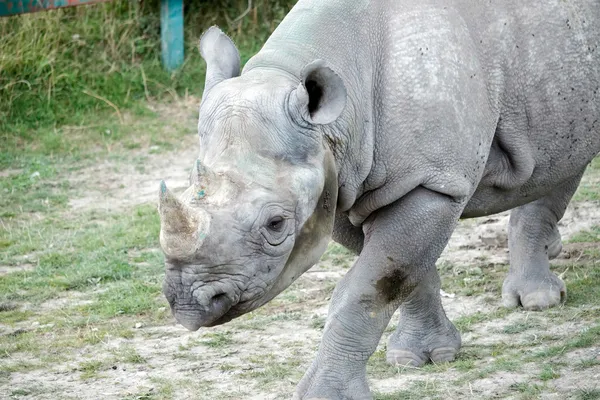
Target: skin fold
381	124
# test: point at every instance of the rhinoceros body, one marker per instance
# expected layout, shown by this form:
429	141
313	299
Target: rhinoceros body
382	123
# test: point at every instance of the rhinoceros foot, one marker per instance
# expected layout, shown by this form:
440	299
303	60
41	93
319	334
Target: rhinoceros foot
534	292
333	381
409	346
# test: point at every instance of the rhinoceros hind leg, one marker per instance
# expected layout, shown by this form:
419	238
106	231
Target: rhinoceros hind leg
533	239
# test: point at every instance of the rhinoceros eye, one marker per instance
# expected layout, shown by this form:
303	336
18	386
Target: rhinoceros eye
276	224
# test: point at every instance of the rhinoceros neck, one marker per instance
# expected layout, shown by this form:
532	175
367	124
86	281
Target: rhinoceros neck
306	35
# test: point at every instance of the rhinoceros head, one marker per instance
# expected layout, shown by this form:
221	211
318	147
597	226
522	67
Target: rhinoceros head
260	207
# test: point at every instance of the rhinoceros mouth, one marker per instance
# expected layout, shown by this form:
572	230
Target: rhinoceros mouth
195	317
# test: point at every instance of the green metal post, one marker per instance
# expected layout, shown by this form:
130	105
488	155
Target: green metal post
171	33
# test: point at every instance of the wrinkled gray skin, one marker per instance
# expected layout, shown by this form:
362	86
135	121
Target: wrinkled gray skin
383	123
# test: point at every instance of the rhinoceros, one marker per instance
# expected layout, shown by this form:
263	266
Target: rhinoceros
381	123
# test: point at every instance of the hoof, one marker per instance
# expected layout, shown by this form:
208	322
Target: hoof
404	358
542	300
407	358
443	354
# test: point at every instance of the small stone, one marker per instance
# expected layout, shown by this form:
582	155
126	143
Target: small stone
138	325
36	174
475	271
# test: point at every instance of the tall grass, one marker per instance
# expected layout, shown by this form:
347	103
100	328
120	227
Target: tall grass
68	66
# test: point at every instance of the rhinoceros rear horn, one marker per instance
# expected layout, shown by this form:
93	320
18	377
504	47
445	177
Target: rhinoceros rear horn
201	175
221	56
321	96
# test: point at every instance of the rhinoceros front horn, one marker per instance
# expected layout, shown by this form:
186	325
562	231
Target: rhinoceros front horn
181	225
175	217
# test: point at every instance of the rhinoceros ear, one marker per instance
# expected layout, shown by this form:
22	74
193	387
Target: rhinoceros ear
321	95
221	56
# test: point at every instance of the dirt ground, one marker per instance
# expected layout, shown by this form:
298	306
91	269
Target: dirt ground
263	355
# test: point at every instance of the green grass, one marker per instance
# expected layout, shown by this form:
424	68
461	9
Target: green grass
519	327
91	369
593	235
588	189
588	394
548	373
337	255
63	68
79	254
586	338
217	340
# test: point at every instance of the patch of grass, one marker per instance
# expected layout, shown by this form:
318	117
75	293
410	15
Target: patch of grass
518	327
588	363
592	235
338	256
583	285
21	366
30	391
79	254
588	394
586	338
18	341
463	365
528	390
33	189
128	354
271	370
129	297
548	373
318	323
465	323
217	339
587	192
472	281
13	316
378	366
90	369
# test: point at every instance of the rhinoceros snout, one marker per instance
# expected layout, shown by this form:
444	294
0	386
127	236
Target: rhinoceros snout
192	314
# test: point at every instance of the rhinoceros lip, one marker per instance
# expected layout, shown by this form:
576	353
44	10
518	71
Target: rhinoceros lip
195	319
232	313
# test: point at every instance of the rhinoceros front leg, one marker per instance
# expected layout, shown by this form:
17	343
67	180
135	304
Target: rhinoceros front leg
402	243
424	332
533	239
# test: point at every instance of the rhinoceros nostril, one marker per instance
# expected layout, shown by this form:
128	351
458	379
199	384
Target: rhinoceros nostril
220	304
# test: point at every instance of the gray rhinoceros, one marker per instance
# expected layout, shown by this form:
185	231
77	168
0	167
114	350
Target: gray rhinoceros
382	123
